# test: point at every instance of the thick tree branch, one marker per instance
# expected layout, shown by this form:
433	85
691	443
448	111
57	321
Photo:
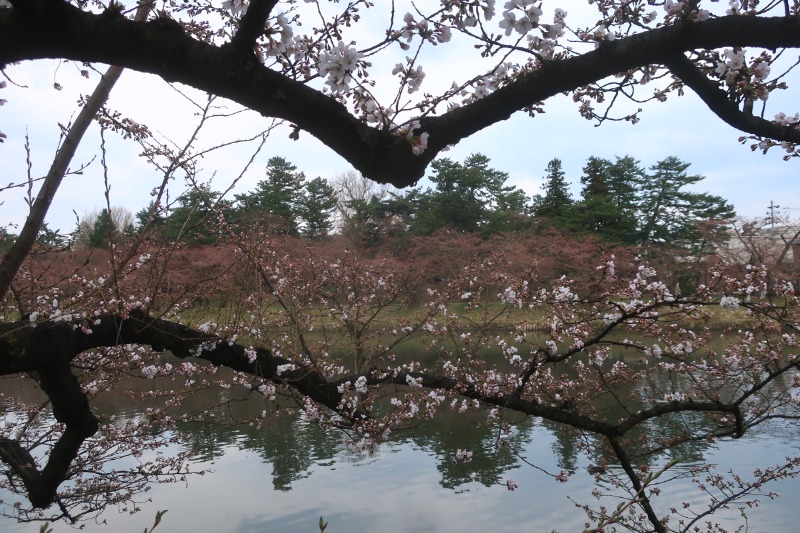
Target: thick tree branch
55	29
70	407
31	349
717	101
643	500
45	350
42	486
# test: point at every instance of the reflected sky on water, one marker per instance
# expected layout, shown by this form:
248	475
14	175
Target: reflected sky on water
285	475
404	486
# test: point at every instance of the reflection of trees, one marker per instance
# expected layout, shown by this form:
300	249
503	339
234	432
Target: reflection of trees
566	445
292	446
450	432
116	464
207	441
289	444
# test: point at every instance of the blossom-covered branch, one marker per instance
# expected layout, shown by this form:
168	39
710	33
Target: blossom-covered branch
35	29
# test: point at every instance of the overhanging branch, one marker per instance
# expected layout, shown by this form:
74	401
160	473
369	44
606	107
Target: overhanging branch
47	348
717	101
55	29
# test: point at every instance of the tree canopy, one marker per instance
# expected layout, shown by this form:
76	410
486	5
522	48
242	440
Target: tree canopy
469	197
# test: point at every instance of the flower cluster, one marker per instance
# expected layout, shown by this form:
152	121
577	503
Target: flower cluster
463	456
440	33
337	66
729	302
410	75
527	12
418	142
787	120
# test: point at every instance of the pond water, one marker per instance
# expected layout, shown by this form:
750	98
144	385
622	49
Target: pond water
283	476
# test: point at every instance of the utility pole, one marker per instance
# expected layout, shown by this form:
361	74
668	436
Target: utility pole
771	212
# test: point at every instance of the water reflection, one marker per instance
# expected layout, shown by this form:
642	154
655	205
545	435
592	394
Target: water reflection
285	474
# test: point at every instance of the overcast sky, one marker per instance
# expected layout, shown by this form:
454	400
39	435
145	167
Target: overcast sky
521	146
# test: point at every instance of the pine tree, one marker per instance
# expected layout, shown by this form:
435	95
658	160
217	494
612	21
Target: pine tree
556	206
597	213
468	197
624	178
316	208
193	220
595	178
279	196
103	230
669	213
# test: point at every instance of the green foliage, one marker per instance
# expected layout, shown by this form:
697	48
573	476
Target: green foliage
316	208
6	239
668	213
193	219
104	231
624	177
599	212
51	238
144	216
555	208
620	202
279	196
468	197
376	220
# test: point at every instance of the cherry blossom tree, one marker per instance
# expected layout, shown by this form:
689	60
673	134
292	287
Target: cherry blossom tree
328	80
307	64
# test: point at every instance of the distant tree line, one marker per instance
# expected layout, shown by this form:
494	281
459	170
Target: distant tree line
620	202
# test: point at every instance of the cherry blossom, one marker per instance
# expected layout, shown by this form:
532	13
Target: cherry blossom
337	65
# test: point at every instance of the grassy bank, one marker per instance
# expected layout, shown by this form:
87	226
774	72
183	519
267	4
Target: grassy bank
459	316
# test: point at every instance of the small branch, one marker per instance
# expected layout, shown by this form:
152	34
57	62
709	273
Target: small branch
642	500
251	25
33	224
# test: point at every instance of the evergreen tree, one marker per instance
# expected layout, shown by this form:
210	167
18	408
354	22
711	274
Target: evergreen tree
6	239
668	212
103	230
193	219
469	197
374	220
595	178
316	208
624	178
143	217
51	238
597	213
509	213
555	208
280	196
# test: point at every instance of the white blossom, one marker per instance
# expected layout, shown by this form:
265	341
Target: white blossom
463	455
285	368
729	302
149	371
337	65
